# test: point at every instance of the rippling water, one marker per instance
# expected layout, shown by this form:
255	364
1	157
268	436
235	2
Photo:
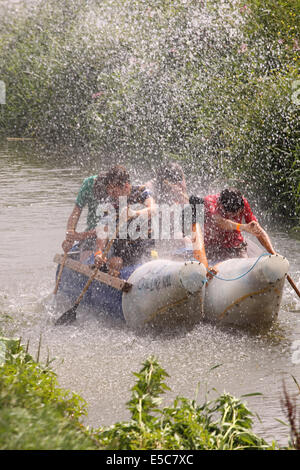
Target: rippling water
96	357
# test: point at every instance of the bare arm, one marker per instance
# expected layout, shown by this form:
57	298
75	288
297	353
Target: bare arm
71	226
265	241
227	224
71	234
198	244
252	227
73	219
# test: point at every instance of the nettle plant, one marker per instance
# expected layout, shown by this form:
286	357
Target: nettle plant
223	423
36	414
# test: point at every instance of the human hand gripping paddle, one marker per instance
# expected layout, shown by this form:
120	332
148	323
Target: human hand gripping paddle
254	228
197	237
70	315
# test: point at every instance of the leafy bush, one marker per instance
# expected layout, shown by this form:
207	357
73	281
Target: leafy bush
34	412
224	423
268	139
206	83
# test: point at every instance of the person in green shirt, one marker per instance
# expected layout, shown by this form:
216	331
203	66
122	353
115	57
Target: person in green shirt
89	196
97	189
131	246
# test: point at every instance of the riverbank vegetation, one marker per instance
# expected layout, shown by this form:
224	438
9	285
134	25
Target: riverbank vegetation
36	414
212	84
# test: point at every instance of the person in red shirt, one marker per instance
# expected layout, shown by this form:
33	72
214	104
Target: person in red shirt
223	224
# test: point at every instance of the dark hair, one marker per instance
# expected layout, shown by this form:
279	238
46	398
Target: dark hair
231	200
172	172
116	176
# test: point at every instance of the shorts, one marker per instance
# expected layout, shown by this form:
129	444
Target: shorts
133	252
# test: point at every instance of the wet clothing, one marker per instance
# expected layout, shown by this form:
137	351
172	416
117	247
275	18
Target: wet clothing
131	250
220	242
86	197
215	253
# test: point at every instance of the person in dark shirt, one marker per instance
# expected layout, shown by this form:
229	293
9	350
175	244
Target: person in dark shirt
170	189
169	184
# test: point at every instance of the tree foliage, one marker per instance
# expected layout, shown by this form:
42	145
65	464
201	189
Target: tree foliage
212	84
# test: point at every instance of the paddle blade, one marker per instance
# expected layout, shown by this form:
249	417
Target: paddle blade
68	317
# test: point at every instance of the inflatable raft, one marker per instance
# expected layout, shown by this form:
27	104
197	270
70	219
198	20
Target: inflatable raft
240	291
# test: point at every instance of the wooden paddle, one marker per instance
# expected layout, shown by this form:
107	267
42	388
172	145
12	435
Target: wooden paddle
60	273
265	242
70	315
290	280
293	285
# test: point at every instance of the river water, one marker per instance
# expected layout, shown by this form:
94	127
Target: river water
95	357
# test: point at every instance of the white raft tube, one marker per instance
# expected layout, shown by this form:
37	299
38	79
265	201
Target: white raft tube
165	288
246	290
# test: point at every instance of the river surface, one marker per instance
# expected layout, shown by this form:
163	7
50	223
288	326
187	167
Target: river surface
95	357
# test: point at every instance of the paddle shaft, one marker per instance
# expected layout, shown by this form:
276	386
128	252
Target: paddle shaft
106	250
78	300
293	285
60	273
288	278
62	267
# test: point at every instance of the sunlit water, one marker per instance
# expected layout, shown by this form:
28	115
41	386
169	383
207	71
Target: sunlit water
96	356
